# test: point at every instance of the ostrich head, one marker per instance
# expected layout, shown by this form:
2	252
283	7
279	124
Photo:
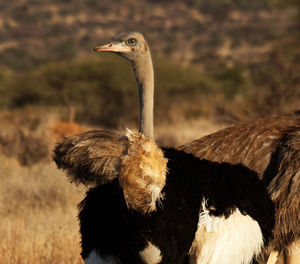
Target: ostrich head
131	46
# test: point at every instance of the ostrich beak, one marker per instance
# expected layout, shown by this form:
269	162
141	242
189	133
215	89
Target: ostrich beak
112	47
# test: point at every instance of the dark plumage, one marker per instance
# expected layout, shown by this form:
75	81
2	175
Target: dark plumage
109	227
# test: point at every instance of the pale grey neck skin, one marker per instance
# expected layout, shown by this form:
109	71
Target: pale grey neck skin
143	71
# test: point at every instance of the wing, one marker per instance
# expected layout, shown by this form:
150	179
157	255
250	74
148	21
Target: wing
97	157
92	157
251	144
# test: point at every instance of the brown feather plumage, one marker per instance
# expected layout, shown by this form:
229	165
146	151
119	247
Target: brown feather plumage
271	147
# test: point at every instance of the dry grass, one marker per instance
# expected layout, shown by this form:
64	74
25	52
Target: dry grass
38	215
38	206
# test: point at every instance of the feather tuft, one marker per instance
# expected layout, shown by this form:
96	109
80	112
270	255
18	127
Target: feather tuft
143	173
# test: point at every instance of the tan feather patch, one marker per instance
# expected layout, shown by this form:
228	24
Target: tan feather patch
143	173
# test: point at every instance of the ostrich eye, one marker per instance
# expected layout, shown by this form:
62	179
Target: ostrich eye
130	42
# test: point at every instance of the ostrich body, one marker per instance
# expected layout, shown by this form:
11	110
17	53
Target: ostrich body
203	212
153	205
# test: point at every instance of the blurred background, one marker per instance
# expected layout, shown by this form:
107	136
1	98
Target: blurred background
216	62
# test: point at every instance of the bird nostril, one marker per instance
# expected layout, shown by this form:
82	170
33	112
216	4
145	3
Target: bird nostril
109	45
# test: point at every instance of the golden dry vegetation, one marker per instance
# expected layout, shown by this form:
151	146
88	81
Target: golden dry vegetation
37	203
38	214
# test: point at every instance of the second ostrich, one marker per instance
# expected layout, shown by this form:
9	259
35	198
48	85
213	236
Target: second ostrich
153	205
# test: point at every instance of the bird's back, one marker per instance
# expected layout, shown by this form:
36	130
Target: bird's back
251	143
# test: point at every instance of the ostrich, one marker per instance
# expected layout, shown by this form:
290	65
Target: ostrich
270	146
181	209
161	205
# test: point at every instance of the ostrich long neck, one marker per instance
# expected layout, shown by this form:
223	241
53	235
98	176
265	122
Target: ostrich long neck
143	71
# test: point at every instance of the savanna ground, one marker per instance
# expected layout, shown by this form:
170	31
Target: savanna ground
37	204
